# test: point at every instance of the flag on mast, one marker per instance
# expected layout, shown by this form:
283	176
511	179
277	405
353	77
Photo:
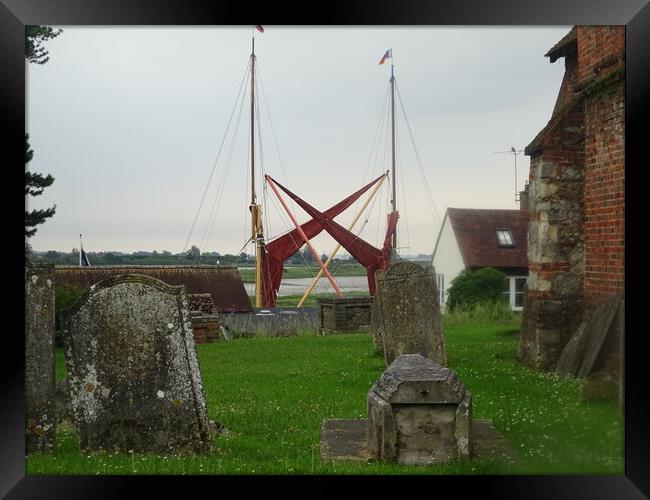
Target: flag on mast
260	28
387	55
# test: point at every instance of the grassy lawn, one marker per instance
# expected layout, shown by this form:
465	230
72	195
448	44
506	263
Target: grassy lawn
272	394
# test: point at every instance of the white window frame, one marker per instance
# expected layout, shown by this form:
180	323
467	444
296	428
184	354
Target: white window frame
505	239
512	291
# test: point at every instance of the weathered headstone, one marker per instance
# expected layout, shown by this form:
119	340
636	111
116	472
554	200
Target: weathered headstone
419	413
376	326
40	417
134	376
407	312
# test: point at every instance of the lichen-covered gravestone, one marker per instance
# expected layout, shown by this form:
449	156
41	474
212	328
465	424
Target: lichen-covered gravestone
419	413
407	313
134	376
40	418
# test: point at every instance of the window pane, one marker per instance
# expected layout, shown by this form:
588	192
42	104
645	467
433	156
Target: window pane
519	300
519	284
504	237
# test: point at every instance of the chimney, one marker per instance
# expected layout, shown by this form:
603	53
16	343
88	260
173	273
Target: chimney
523	198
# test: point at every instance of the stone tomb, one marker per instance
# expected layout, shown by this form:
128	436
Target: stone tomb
344	314
40	418
134	377
406	313
419	413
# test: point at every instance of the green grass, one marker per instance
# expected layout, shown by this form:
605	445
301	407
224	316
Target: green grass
272	394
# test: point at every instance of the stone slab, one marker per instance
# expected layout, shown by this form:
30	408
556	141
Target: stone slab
346	439
578	356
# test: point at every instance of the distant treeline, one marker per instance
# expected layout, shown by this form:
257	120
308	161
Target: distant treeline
190	257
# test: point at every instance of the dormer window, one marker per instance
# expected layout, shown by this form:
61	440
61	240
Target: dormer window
504	238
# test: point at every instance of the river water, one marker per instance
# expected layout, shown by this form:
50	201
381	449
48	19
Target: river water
292	286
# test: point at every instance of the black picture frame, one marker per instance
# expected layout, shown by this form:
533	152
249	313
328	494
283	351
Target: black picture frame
634	14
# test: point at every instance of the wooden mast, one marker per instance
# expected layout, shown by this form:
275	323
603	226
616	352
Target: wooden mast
257	234
392	106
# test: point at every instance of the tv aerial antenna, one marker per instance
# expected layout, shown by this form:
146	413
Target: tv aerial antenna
514	152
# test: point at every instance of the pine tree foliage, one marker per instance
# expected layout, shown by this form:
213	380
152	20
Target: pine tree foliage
35	183
34	37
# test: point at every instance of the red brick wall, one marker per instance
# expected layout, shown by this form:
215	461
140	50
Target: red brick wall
605	193
601	52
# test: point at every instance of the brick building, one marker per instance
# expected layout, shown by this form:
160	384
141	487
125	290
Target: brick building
576	237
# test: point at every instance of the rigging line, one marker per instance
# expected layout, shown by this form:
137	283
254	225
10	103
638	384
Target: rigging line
386	167
214	166
382	116
374	148
240	251
220	188
268	112
266	227
404	204
427	188
246	192
222	181
259	138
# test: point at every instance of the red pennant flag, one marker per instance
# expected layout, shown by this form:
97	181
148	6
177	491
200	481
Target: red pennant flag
387	55
260	28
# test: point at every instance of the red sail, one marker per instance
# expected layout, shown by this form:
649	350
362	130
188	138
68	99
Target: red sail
280	249
368	256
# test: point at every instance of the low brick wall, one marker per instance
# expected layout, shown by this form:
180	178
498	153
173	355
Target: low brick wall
206	328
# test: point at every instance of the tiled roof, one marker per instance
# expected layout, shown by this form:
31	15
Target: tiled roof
475	231
223	283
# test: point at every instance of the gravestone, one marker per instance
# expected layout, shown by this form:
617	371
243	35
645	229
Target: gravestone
134	376
419	413
40	395
407	312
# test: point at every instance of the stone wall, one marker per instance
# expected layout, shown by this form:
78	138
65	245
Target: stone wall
576	203
555	243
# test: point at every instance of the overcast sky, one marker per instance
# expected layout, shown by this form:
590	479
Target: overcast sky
129	121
